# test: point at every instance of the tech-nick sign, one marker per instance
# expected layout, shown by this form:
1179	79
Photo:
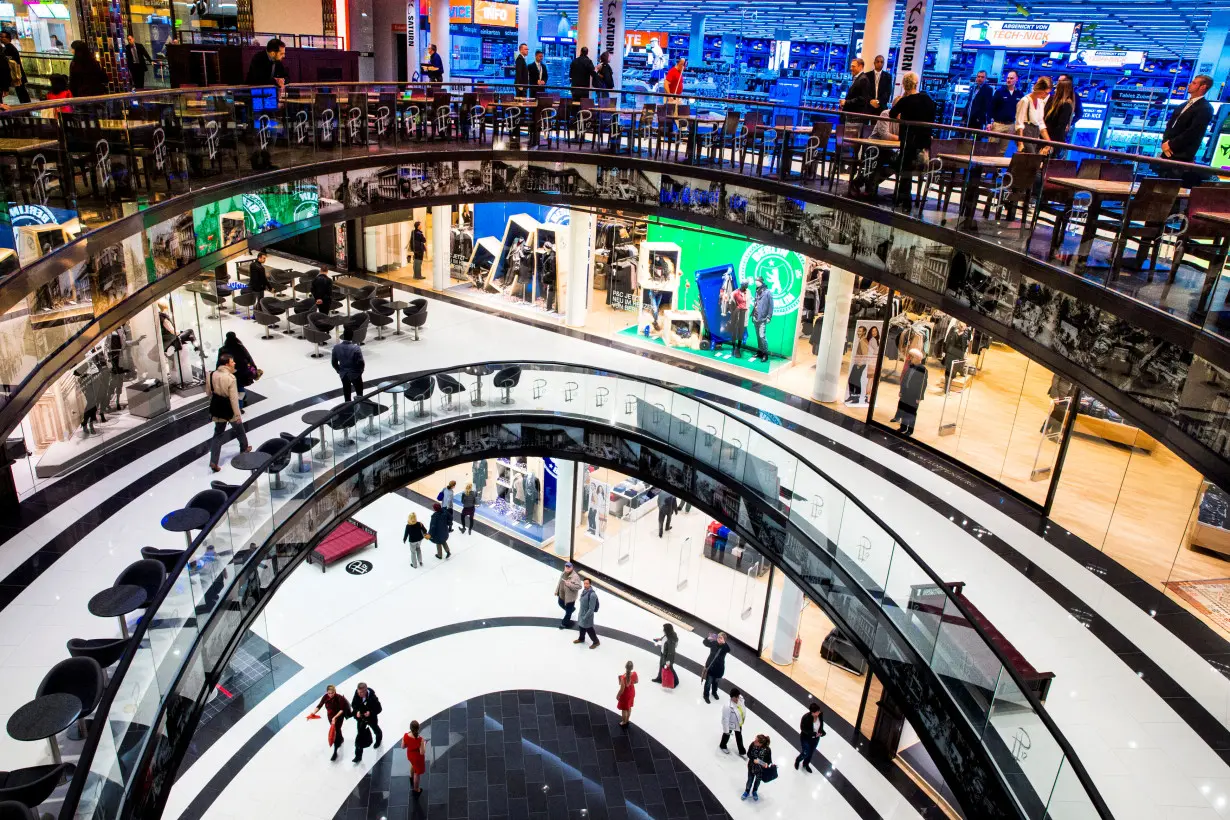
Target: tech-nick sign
913	49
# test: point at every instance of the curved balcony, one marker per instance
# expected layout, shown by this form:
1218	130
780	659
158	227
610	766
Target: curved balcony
978	262
960	692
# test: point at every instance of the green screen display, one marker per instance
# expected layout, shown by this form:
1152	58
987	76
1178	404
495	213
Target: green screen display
783	272
262	211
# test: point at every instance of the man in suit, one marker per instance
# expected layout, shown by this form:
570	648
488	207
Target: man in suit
138	60
521	72
538	74
580	75
1186	126
881	86
858	96
258	279
979	113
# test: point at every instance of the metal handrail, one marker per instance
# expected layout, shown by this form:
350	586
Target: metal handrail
73	795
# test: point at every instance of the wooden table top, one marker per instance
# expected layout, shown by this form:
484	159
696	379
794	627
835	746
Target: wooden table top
120	125
1223	219
1105	187
988	161
876	141
25	144
350	282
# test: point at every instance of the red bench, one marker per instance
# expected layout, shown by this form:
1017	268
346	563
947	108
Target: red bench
346	539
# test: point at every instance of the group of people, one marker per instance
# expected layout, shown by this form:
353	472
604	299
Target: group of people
365	709
440	525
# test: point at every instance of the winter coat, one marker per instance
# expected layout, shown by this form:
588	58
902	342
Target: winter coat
372	705
913	385
569	587
733	717
715	665
589	605
668	648
438	528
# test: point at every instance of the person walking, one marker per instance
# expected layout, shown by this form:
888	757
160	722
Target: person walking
246	371
447	496
715	664
811	729
365	707
418	249
469	501
337	710
669	641
762	313
738	319
138	60
913	389
414	534
581	74
223	392
759	761
415	746
733	716
258	278
86	77
585	618
627	693
567	590
348	363
322	290
433	69
1003	106
666	509
438	529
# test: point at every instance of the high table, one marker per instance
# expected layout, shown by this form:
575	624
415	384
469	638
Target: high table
43	718
398	307
313	418
254	461
396	391
478	371
1100	191
185	520
116	602
975	163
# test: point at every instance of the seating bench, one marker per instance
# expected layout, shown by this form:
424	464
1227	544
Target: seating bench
346	539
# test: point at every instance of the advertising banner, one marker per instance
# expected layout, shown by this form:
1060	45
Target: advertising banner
502	15
1101	58
1018	36
460	11
413	38
613	36
913	49
262	211
635	41
748	261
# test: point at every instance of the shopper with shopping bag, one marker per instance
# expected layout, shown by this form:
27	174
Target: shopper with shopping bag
666	659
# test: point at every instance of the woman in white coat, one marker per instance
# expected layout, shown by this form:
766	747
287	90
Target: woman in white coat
732	721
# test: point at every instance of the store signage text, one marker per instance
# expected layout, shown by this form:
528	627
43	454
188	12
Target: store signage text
460	11
488	13
913	39
1014	35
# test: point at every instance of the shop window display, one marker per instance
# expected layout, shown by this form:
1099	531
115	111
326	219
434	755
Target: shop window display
516	495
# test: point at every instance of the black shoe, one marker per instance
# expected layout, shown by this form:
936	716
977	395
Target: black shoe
656	680
796	764
357	760
334	754
807	769
706	700
379	740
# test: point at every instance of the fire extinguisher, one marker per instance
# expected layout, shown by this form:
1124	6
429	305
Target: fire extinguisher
798	644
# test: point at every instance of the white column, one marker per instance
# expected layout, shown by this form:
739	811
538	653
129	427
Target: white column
837	299
789	614
878	32
580	267
440	250
440	35
613	38
527	24
587	27
565	506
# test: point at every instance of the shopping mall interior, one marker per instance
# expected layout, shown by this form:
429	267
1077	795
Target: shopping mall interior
621	411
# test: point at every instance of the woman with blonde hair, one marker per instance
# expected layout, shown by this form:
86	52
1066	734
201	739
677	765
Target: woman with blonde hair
1031	117
414	537
469	500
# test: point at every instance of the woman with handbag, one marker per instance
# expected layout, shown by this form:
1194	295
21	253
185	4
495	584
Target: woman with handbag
415	746
669	641
627	693
760	768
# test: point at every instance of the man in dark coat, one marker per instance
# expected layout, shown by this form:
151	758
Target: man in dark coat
138	60
715	665
438	529
322	290
858	96
666	508
521	72
258	280
13	53
881	86
581	74
267	67
538	74
913	388
366	708
348	363
979	113
1186	126
418	249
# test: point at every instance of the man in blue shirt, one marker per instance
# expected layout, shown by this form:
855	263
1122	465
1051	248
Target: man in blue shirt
1003	106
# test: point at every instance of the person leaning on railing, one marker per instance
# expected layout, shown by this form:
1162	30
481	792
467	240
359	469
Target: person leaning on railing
267	67
1059	112
913	106
1185	129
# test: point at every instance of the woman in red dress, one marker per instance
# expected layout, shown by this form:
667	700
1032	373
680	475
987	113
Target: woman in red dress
415	747
627	693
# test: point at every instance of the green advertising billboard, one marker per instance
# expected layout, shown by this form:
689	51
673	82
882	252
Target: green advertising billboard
782	270
262	211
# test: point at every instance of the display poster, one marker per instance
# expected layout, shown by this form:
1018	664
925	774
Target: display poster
491	217
613	35
502	15
863	354
912	51
702	252
1019	36
636	41
598	500
262	211
1102	58
413	38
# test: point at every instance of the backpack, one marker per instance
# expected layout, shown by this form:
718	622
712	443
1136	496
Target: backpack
597	603
15	76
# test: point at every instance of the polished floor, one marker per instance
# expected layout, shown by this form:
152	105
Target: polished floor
1137	736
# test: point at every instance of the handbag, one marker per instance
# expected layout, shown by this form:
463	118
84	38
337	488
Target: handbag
669	679
219	405
769	773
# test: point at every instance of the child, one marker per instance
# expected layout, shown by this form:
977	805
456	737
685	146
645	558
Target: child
59	91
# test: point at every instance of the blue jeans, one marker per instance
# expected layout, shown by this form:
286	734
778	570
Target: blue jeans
762	338
753	782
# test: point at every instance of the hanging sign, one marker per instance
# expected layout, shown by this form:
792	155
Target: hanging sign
913	48
413	35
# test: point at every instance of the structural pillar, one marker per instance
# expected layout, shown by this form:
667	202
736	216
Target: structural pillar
565	506
440	35
441	250
527	25
990	61
878	30
581	229
1213	60
613	38
789	615
696	40
587	28
837	300
943	55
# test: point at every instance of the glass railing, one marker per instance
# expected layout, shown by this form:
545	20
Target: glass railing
935	657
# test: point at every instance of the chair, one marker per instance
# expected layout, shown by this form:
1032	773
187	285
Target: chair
421	390
314	334
363	299
279	460
267	313
1024	172
414	320
816	151
299	447
506	380
104	651
246	299
148	574
381	316
449	387
168	558
33	785
16	810
211	501
846	156
228	489
300	311
713	141
80	677
370	410
1205	199
358	334
344	419
1144	220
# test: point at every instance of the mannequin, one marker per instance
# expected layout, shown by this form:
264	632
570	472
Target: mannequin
531	497
479	473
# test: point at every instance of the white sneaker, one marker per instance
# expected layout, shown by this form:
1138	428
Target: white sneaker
725	751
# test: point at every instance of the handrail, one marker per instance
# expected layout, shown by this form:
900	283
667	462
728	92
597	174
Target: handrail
348	408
